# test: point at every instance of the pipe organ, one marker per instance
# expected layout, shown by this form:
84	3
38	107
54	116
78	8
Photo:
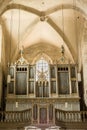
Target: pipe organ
43	95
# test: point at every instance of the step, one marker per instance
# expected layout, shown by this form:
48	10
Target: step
42	127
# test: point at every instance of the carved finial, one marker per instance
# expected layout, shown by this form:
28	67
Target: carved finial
22	60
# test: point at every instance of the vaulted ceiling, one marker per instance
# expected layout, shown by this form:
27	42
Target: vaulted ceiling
42	26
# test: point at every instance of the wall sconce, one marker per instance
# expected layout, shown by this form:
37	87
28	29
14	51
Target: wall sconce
79	77
8	78
66	104
16	104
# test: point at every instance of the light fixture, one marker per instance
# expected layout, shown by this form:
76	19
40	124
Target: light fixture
76	34
10	44
79	77
62	53
16	104
18	46
11	24
62	46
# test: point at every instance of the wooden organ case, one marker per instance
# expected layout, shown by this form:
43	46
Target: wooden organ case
42	96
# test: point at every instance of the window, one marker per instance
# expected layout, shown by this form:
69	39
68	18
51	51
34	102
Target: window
42	70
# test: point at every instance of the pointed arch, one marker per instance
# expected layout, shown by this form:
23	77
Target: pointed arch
45	56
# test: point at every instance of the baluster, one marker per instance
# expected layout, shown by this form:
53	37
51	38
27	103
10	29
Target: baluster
29	115
78	116
75	116
6	117
66	116
9	116
26	116
86	116
23	116
18	116
15	117
58	115
62	116
70	116
12	116
83	116
1	116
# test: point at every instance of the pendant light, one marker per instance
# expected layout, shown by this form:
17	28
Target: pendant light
62	46
10	45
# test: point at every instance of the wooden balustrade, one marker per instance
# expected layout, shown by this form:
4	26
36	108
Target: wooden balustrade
15	116
26	115
70	116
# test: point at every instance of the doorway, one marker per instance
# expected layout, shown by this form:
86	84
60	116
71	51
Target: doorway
43	116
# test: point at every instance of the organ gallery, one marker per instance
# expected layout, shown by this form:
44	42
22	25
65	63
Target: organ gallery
43	64
42	87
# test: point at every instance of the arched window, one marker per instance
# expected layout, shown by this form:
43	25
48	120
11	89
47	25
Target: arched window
42	70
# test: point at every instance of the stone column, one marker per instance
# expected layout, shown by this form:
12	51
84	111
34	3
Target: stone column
34	80
0	83
70	88
49	83
56	71
84	62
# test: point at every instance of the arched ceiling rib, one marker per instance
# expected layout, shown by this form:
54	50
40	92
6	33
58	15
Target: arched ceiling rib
22	7
67	6
50	21
42	13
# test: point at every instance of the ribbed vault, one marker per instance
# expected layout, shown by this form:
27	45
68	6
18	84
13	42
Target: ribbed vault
40	26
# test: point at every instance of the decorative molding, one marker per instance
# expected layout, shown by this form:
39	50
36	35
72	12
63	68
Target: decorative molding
22	60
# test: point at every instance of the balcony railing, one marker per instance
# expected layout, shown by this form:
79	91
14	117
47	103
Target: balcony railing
26	116
15	116
70	116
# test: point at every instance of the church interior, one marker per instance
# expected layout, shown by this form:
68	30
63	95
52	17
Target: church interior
43	64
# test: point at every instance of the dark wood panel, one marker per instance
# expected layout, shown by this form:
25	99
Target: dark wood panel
21	83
